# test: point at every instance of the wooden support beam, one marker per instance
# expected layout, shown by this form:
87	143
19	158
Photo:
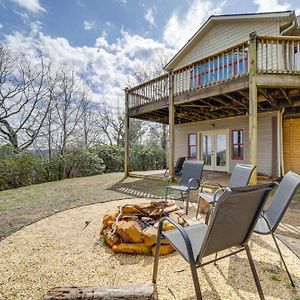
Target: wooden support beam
269	99
286	81
126	160
239	102
287	98
253	106
171	125
226	104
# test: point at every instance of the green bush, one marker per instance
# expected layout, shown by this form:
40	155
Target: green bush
112	156
79	162
22	169
147	157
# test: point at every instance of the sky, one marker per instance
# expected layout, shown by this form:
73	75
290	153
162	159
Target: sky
108	40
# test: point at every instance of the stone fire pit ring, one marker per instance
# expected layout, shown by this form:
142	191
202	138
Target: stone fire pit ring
132	228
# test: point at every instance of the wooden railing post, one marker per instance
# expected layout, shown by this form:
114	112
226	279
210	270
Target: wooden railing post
126	141
171	124
253	105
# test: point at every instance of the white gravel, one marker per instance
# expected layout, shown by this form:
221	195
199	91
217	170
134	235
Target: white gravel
58	251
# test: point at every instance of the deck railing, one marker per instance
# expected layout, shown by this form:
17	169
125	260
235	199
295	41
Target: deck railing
274	55
278	54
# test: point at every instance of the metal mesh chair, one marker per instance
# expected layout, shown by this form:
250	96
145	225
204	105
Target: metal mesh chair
271	217
189	180
178	167
231	225
240	176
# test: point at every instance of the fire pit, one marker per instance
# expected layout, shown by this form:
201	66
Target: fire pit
132	228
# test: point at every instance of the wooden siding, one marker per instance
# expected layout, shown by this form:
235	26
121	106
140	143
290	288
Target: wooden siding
291	145
225	35
264	155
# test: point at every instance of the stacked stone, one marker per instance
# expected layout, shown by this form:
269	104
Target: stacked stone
133	228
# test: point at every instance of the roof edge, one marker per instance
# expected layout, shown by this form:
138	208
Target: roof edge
286	13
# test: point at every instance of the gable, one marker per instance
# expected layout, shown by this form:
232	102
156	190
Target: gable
222	32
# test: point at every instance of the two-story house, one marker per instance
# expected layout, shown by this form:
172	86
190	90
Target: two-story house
230	95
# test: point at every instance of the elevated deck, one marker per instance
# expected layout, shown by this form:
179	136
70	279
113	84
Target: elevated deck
218	86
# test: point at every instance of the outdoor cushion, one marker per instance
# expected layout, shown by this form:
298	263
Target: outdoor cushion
208	197
181	188
196	234
261	226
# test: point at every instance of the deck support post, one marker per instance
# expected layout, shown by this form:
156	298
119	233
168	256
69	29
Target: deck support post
253	105
171	125
126	140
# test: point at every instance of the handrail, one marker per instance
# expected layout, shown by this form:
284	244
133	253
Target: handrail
281	37
146	82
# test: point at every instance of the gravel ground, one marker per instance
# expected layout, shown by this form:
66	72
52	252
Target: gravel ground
62	250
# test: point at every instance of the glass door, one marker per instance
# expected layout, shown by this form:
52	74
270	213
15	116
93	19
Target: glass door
207	151
221	150
214	150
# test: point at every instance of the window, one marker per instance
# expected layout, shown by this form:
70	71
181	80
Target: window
192	145
220	68
237	144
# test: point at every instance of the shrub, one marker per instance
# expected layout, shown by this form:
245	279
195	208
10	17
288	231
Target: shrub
22	169
80	162
112	156
147	157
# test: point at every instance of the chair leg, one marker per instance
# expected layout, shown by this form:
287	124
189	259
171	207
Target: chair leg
166	194
187	202
257	282
280	254
207	216
156	258
198	207
216	256
196	281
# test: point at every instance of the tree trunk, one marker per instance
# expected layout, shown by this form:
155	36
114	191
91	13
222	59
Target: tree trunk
145	291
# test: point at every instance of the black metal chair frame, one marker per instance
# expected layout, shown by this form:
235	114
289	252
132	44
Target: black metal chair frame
177	167
215	184
193	184
196	263
272	228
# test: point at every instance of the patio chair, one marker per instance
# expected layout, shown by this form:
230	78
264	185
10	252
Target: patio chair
231	225
178	167
240	176
271	217
189	180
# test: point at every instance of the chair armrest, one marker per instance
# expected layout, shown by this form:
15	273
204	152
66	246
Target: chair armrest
208	183
216	194
165	174
183	233
193	180
168	180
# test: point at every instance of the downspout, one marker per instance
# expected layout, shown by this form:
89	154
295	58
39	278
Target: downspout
293	26
281	142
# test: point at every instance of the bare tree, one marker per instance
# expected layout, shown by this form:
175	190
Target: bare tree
112	126
144	72
24	99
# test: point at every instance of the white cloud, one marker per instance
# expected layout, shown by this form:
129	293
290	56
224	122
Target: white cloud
180	28
31	5
149	16
271	5
1	26
88	25
108	67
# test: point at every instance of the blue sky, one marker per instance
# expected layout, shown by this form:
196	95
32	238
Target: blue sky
109	39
